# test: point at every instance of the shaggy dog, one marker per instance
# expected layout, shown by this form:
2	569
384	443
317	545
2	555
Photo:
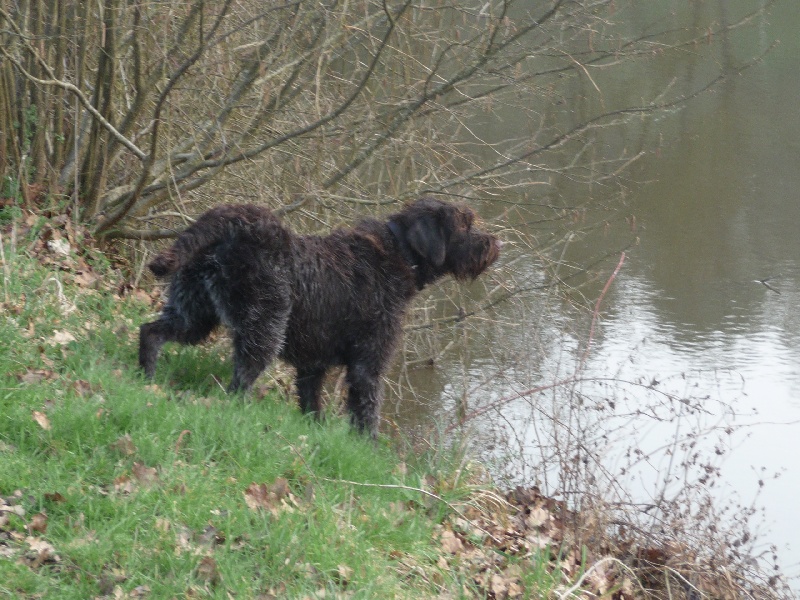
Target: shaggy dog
313	301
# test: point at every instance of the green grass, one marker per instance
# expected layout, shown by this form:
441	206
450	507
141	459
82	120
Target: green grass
142	515
112	486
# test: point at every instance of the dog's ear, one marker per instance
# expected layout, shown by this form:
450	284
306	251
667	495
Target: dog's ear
426	238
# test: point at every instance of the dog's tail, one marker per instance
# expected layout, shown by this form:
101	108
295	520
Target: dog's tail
212	227
166	263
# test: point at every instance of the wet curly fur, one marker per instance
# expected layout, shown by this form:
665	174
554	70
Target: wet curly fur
315	302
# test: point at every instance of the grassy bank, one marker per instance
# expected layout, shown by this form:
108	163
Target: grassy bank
114	487
110	486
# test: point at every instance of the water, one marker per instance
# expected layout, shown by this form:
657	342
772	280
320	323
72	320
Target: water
706	302
719	219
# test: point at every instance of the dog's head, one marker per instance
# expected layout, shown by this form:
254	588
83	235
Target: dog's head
442	240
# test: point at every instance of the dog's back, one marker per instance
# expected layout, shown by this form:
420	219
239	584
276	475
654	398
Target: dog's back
223	222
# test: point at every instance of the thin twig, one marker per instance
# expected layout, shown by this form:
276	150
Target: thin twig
397	486
608	559
596	311
6	271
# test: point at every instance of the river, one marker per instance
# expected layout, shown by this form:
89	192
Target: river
701	321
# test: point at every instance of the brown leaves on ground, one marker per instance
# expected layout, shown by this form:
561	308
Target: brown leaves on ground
67	248
274	498
36	376
39	553
493	546
344	574
38	523
19	535
42	420
451	544
61	338
207	571
146	476
80	387
63	246
141	476
497	540
124	445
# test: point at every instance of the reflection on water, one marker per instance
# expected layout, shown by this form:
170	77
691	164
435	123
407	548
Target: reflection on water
712	287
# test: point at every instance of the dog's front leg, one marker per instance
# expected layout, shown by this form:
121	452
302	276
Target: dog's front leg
364	398
309	385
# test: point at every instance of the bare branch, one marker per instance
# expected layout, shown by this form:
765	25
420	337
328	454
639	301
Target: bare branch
52	81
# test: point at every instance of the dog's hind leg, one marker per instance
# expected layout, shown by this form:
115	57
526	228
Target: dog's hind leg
255	347
168	329
251	292
151	338
259	330
188	318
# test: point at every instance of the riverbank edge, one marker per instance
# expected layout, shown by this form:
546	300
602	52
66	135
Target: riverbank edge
111	487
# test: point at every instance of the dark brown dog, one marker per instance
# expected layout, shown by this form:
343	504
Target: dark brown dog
314	301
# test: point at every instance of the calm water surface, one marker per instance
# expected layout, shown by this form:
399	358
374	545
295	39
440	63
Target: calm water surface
717	210
721	215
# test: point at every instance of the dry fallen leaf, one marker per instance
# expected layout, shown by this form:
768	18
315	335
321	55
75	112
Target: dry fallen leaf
37	375
58	246
39	545
124	445
41	553
146	476
257	496
502	586
14	509
42	420
261	496
627	588
451	543
498	586
38	523
345	574
82	387
84	278
143	296
280	489
207	570
124	485
62	338
140	591
183	540
537	517
601	578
